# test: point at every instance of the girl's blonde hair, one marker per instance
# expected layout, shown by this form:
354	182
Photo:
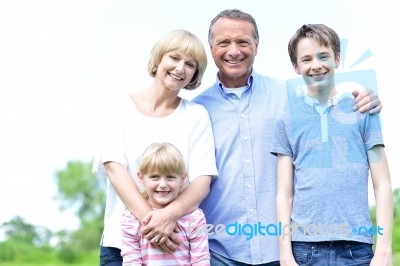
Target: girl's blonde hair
164	158
184	42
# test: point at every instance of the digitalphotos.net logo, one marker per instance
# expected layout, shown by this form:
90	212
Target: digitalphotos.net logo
275	230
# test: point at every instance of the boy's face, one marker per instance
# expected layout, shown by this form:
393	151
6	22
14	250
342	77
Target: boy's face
316	64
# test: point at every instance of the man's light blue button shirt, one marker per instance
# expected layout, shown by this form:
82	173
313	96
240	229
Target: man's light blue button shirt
242	198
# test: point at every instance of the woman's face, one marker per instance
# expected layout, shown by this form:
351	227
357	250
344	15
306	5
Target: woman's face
176	70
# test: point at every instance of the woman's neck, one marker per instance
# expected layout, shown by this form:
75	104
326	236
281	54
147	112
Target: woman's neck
152	102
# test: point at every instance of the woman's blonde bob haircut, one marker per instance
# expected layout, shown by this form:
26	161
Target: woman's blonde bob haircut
184	42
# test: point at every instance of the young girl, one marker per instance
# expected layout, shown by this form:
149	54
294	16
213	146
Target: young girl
162	173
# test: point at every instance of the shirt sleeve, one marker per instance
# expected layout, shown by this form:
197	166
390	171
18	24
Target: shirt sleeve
111	144
202	147
280	143
372	135
130	245
198	239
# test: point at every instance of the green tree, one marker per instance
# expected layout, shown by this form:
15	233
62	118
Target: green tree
80	189
18	230
23	240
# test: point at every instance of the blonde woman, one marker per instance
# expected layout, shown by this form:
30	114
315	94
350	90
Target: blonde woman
157	114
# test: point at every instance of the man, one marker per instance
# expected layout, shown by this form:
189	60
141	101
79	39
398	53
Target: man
243	106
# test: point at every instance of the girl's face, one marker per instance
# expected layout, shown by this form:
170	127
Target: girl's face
176	70
161	189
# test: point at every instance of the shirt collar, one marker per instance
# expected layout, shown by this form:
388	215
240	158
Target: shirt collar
331	102
249	84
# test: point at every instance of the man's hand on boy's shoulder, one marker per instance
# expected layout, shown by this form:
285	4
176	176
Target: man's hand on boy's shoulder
366	100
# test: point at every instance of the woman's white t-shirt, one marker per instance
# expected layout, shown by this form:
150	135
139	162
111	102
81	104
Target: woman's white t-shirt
188	128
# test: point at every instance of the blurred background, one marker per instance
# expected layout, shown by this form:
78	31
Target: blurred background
63	63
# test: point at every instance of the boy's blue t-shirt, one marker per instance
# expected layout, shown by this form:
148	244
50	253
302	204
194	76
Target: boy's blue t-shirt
329	149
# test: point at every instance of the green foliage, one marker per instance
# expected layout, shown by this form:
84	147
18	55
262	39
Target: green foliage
28	245
87	237
12	250
78	187
396	260
68	255
396	236
38	257
19	231
396	222
396	203
7	251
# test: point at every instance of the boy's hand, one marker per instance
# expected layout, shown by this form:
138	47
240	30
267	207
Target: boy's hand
288	262
287	259
366	100
382	259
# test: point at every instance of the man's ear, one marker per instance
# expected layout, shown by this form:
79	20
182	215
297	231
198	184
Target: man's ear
256	51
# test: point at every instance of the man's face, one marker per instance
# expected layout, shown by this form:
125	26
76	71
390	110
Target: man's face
233	48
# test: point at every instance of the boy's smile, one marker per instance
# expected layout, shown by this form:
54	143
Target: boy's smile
316	63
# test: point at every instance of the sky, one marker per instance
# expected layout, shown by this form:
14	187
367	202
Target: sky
62	62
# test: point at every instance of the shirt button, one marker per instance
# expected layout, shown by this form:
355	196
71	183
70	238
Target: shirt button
243	115
245	138
251	210
247	161
248	185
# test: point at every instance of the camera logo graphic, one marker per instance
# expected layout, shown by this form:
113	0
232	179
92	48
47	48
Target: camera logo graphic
347	80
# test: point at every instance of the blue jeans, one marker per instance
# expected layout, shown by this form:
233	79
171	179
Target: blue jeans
218	260
346	253
110	256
